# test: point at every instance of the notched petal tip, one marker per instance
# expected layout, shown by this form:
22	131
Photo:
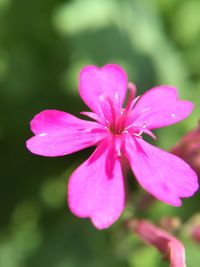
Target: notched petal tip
104	68
58	133
110	80
164	175
159	107
46	120
99	220
98	197
37	146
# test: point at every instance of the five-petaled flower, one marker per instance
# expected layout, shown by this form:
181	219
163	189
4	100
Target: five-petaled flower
96	188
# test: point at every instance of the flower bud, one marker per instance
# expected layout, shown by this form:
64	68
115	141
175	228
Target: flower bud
188	148
170	224
192	228
170	248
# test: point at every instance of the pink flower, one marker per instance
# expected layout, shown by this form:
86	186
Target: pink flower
96	188
170	248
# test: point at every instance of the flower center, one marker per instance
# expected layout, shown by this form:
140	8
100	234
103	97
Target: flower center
116	118
117	126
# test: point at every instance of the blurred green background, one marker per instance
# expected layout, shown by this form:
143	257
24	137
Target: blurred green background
43	45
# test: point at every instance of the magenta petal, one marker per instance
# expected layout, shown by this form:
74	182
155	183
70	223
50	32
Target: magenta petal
160	107
162	174
109	81
51	120
96	188
59	133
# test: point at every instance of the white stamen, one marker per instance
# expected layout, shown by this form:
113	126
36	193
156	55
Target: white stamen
138	135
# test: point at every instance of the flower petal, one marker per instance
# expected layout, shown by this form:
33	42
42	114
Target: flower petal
59	133
109	81
160	107
162	174
96	188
